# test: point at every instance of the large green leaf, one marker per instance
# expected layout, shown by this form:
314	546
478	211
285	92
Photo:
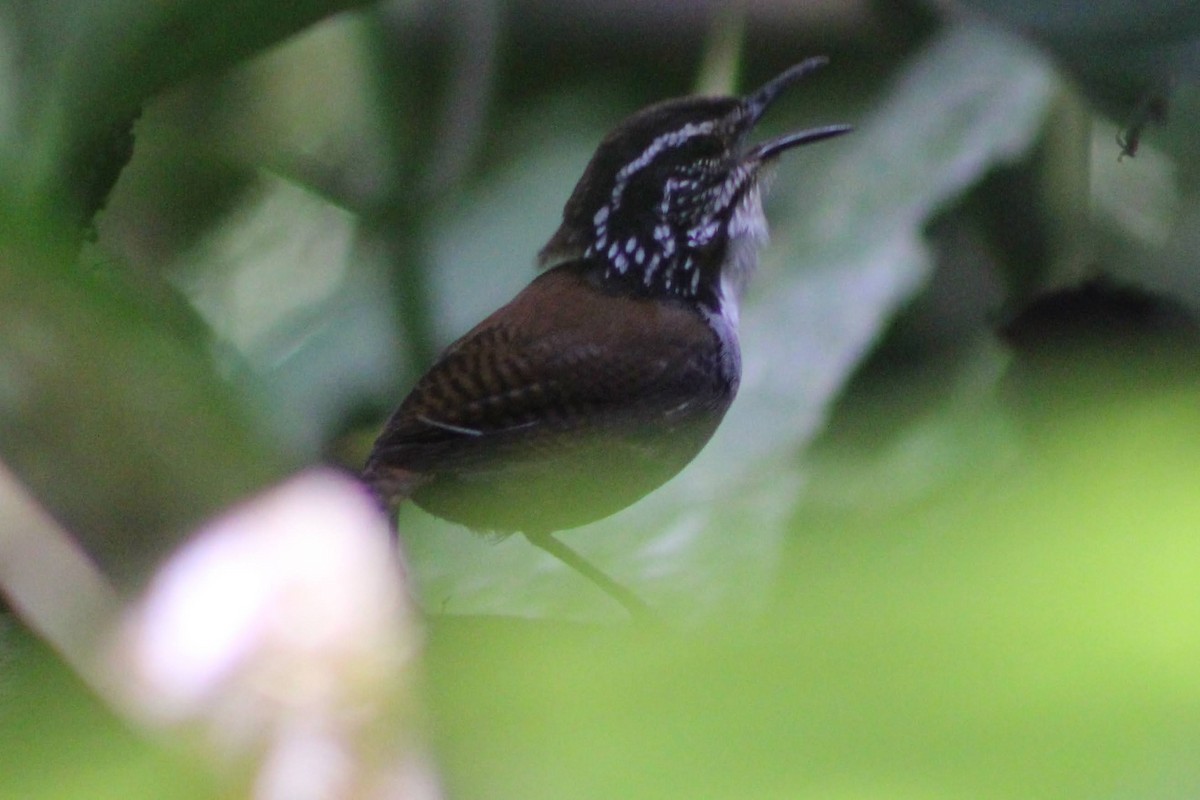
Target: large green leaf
1031	636
78	73
58	741
972	99
114	417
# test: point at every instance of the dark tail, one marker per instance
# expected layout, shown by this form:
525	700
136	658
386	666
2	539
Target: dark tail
390	486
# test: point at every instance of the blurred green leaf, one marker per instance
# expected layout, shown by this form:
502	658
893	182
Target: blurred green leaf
80	71
59	743
284	285
110	415
1117	49
113	412
1032	637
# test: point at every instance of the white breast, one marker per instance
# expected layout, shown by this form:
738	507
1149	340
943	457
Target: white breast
747	233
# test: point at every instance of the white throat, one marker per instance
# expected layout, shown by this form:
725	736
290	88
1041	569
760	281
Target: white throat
747	234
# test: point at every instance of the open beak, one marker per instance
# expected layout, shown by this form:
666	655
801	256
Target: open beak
758	101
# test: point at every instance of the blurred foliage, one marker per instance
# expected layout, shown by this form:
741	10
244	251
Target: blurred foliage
916	560
57	740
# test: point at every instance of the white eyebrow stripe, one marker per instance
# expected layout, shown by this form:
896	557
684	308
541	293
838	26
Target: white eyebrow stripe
668	139
661	142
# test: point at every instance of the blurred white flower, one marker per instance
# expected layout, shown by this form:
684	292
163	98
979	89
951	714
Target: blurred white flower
283	630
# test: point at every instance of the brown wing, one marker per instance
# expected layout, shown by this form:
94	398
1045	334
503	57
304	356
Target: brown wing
564	406
565	353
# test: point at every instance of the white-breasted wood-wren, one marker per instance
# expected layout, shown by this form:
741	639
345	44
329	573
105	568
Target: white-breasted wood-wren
607	374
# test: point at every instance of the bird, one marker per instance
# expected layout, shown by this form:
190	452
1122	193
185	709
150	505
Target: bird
610	371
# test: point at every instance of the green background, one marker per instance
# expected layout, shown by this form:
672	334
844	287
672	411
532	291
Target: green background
914	562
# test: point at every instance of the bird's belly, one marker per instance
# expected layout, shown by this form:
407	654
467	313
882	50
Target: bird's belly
563	480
